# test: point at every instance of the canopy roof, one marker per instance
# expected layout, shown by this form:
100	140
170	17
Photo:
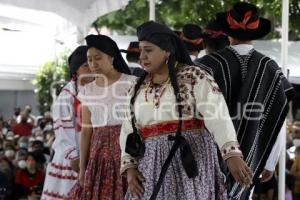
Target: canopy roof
35	31
79	12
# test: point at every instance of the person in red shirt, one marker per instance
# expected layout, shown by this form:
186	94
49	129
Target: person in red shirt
23	128
29	181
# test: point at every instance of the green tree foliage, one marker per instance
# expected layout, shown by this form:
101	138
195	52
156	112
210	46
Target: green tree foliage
49	80
176	13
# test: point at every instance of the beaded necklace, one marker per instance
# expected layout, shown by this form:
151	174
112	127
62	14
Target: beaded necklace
162	89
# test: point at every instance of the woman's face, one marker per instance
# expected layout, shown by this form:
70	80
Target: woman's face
83	73
99	62
31	163
152	58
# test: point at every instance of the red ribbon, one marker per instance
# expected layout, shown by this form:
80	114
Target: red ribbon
196	41
244	24
213	33
78	114
133	50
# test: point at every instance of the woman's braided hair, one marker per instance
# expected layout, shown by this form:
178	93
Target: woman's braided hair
172	74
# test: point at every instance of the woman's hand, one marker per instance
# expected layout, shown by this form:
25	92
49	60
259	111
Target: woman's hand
134	179
81	177
266	175
240	171
75	165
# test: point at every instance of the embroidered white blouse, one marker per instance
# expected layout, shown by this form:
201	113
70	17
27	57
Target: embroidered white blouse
202	100
107	104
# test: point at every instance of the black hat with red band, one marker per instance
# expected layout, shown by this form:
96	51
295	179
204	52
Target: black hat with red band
243	22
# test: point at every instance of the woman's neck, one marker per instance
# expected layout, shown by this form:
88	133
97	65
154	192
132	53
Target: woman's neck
161	76
110	77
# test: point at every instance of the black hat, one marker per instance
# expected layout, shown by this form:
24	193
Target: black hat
133	47
165	38
191	35
243	22
213	30
132	52
76	59
109	47
177	33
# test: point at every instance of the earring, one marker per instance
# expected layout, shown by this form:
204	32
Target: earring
167	61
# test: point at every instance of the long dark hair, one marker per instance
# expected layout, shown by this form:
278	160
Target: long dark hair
173	78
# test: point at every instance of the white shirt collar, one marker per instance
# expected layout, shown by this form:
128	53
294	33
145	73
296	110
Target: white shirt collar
132	64
193	57
242	49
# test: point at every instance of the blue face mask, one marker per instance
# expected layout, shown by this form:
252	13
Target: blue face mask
23	145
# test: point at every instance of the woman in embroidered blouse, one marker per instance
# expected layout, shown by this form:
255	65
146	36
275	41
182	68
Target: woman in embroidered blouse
102	100
62	171
194	172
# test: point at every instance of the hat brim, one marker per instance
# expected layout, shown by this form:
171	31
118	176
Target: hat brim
123	51
191	47
263	29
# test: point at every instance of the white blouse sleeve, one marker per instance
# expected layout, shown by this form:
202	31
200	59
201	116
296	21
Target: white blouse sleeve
276	150
212	108
64	126
127	161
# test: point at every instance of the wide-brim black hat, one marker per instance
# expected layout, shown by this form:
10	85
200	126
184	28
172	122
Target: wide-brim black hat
133	47
192	37
213	30
242	22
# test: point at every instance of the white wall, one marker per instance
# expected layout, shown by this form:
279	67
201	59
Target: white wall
16	85
10	99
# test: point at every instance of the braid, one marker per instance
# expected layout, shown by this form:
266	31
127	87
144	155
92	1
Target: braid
174	83
74	78
132	100
173	79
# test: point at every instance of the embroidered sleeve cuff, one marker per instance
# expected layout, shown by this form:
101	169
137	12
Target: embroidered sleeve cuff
231	149
71	154
128	162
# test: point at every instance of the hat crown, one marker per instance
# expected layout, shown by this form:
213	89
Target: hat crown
240	9
192	31
133	45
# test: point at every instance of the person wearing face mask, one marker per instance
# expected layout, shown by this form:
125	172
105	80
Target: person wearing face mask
10	154
23	128
20	160
22	164
62	171
29	178
103	101
23	143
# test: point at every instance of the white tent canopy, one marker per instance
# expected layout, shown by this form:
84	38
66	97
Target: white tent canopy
80	12
35	31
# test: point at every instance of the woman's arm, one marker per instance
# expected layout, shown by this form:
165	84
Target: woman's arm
212	108
85	140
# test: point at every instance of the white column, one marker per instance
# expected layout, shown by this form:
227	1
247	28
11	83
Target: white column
152	10
284	56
